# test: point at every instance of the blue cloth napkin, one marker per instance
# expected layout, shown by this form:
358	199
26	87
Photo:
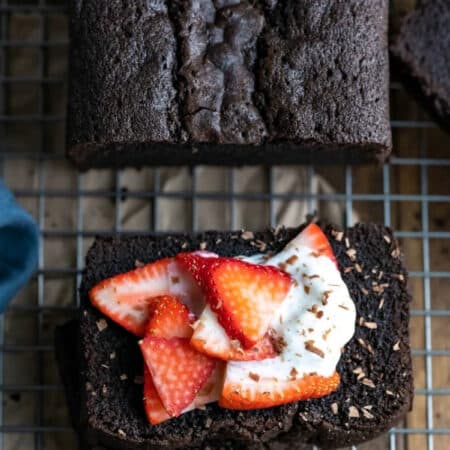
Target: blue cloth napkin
18	246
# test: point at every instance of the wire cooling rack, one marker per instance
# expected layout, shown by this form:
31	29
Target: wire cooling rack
412	195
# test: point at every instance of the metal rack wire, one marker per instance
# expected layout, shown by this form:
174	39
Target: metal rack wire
33	135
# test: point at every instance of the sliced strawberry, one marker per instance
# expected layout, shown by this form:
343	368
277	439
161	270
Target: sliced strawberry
183	286
178	371
169	318
254	392
245	297
210	338
125	297
314	238
154	409
197	263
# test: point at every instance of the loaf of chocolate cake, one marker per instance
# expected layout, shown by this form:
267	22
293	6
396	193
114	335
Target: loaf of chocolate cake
422	52
227	82
101	363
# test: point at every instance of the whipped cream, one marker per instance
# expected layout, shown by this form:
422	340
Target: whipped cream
313	324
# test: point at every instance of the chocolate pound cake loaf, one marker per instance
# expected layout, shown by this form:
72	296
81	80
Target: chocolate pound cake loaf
422	52
227	82
101	363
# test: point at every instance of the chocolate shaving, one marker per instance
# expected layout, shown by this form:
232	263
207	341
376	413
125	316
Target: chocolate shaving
282	266
102	324
325	296
291	260
307	289
368	382
293	373
338	235
123	377
353	412
325	334
253	376
334	408
310	347
202	245
387	238
138	264
370	325
396	346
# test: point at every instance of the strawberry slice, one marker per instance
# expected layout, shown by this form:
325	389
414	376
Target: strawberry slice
244	296
254	392
210	338
125	297
178	371
196	263
169	318
314	238
154	409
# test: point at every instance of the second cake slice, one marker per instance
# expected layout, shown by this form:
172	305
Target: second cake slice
228	82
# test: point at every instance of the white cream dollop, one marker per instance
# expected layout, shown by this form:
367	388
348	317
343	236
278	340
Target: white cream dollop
314	322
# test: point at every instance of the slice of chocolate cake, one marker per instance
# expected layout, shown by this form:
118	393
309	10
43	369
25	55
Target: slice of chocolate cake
227	82
422	51
102	366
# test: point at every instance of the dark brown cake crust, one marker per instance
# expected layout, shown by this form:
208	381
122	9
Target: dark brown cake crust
263	81
421	51
377	385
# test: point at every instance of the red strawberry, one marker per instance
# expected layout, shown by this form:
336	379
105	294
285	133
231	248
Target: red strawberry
154	409
245	297
210	338
196	263
314	238
255	392
178	371
169	318
125	297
